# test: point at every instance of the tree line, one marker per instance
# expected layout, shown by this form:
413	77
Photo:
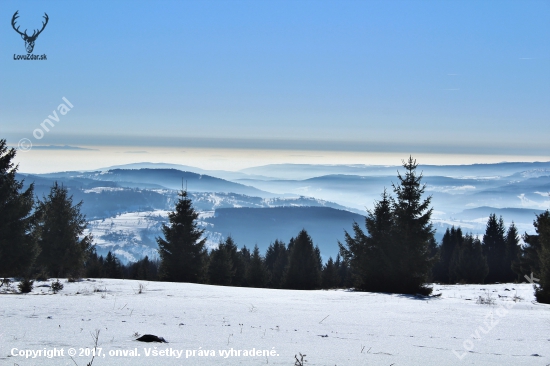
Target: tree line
396	253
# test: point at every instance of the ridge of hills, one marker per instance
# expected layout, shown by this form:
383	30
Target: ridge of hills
127	204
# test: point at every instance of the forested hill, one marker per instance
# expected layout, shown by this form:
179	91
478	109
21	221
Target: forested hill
263	225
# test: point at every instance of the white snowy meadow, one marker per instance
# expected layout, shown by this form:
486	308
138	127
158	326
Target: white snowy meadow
210	325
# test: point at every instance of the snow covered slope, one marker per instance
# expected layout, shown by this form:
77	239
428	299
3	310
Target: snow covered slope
329	327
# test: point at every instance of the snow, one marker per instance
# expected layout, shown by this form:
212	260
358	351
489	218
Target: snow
130	236
333	327
103	189
527	203
450	189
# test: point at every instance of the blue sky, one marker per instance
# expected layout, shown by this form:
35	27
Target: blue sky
442	77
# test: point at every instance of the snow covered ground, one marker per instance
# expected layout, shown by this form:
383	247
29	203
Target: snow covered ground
329	327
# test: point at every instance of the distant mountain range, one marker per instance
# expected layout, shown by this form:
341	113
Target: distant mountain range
128	204
304	171
224	174
512	214
165	178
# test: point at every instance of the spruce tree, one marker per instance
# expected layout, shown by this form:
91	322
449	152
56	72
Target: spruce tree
412	233
344	272
372	257
220	267
276	260
397	253
511	252
329	276
238	268
245	256
64	247
303	271
94	265
494	247
442	267
112	266
18	237
182	251
257	273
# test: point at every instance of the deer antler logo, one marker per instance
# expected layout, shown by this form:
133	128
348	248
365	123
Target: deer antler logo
29	40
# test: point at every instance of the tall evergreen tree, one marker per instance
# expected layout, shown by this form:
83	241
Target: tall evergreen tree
182	252
112	266
238	268
449	242
220	267
412	233
303	271
397	254
257	273
511	253
245	256
494	247
18	237
372	256
344	272
329	276
64	247
94	265
468	264
276	260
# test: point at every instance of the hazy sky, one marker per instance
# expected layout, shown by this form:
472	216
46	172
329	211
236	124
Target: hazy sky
432	77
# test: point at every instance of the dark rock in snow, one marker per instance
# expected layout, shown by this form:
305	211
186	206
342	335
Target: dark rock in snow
151	338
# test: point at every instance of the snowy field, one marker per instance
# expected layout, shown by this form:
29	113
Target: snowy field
204	323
